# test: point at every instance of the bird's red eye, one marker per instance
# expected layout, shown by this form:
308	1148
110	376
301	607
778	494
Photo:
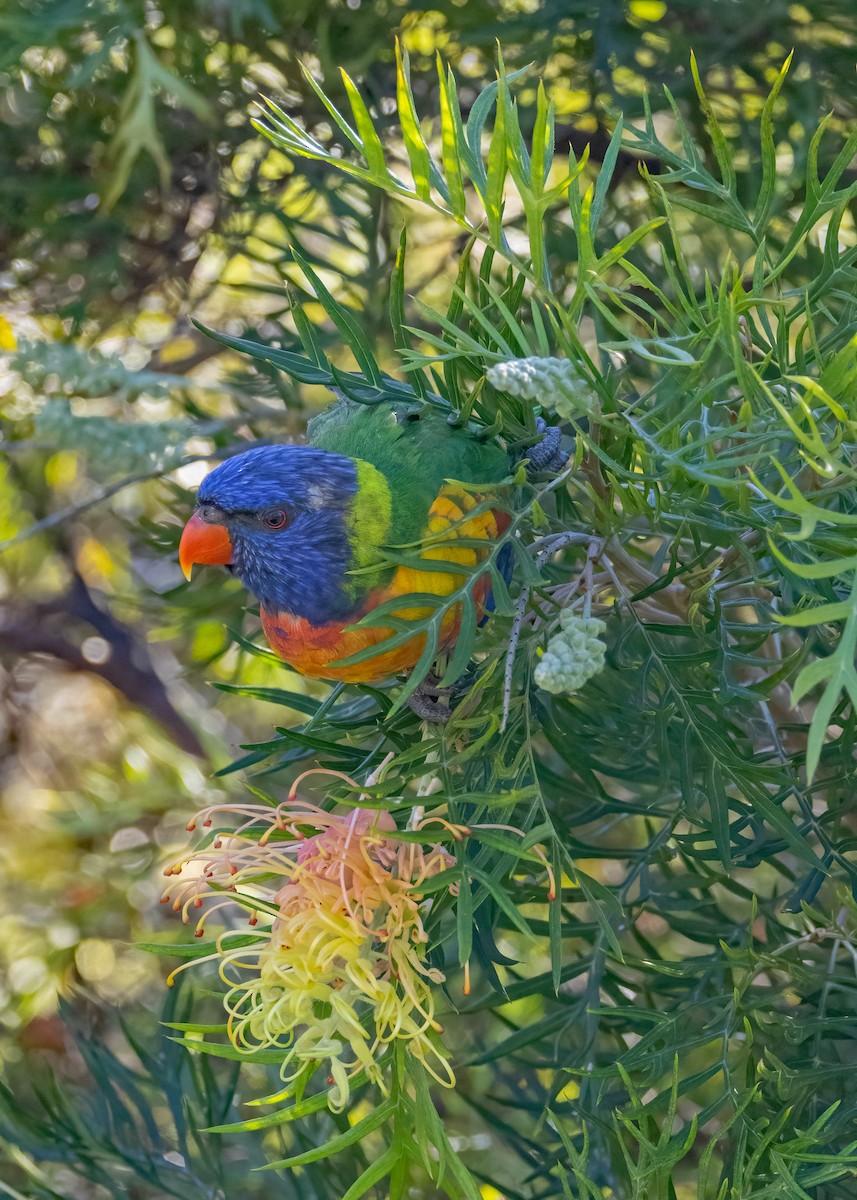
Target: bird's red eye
274	518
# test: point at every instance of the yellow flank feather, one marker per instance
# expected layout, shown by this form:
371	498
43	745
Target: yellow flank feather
446	516
315	650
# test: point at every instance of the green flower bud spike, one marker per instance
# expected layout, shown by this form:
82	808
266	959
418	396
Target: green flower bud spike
572	656
556	383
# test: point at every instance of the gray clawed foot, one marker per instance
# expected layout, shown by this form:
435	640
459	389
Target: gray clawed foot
430	702
548	454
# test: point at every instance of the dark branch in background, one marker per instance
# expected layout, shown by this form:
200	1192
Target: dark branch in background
43	629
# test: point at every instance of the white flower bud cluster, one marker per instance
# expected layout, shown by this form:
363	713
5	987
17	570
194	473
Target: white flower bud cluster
572	656
556	383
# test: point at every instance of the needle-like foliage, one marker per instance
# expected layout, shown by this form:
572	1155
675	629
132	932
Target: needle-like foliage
644	935
652	894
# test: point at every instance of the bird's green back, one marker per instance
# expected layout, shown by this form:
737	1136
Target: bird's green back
415	448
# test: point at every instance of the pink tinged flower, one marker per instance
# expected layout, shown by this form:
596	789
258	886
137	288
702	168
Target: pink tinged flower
339	970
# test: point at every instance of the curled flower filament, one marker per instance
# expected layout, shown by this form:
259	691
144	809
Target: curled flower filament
337	969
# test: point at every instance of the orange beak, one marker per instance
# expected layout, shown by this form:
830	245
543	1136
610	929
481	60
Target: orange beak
203	543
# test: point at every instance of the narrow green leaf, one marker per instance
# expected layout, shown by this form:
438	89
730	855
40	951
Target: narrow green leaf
294	1112
296	700
464	642
345	323
543	141
769	151
818	614
418	152
294	365
717	214
502	899
269	1058
371	146
423	666
331	108
375	1173
464	910
496	177
722	151
351	1136
307	334
605	907
397	313
829	569
451	150
555	918
605	176
820	727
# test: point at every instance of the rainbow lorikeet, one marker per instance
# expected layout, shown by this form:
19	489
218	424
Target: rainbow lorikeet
305	527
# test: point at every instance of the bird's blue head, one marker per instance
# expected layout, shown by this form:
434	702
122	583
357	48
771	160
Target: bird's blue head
279	516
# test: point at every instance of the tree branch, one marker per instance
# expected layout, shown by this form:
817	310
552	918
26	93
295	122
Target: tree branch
127	666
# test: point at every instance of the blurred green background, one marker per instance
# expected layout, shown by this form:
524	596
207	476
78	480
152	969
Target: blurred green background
134	195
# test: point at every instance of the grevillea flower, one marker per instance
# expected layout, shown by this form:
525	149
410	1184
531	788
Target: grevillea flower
339	969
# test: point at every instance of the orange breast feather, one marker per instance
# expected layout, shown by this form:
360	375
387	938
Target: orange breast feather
314	650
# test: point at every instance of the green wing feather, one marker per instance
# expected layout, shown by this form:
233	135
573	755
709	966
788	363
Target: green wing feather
414	447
